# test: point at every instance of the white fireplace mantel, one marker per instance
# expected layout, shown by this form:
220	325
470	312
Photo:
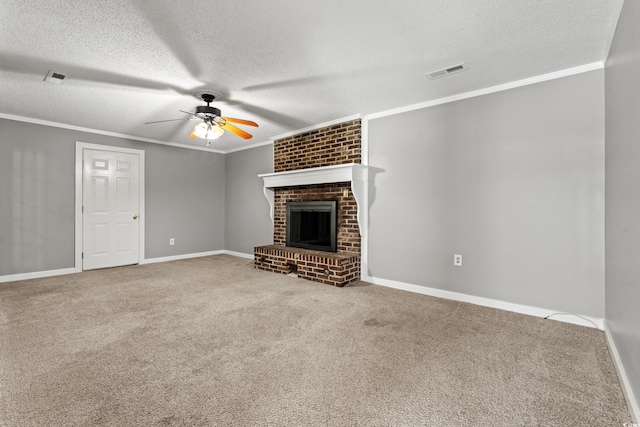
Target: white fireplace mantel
351	172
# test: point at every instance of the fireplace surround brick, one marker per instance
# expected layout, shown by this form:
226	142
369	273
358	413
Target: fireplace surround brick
348	234
333	145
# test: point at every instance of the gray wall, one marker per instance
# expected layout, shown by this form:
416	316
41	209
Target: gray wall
513	181
184	197
622	90
185	192
247	211
37	179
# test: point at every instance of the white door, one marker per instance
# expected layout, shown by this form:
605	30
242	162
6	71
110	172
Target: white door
110	208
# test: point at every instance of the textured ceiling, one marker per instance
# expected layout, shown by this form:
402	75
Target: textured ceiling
284	64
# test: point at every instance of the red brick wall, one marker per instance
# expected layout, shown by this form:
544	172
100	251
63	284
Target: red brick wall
333	145
348	234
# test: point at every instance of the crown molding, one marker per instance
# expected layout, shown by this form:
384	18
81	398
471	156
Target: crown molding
493	89
318	126
103	132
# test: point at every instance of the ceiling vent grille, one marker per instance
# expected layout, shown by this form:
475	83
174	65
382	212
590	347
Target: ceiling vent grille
446	71
53	77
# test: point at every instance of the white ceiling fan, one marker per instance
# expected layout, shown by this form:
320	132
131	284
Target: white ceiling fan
213	124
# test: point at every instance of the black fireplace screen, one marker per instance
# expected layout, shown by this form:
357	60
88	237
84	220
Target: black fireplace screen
312	225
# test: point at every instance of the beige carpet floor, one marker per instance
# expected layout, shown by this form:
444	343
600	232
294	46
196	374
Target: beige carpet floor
214	342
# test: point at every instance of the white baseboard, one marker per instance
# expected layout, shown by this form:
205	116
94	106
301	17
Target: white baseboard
632	403
582	320
36	275
178	257
51	273
239	254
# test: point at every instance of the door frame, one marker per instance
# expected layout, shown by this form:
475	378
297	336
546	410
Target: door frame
80	147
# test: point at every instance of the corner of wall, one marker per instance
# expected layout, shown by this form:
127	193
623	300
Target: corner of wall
632	402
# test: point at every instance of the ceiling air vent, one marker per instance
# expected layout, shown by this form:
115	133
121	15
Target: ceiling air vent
53	77
446	71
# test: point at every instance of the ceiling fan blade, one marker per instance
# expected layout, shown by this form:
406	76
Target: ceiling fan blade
187	112
240	121
171	120
235	130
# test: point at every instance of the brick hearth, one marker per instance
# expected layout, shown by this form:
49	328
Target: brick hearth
338	269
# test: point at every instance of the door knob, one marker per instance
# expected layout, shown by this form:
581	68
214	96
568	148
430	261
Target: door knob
135	217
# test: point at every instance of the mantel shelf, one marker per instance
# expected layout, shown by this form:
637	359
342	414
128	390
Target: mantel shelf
351	172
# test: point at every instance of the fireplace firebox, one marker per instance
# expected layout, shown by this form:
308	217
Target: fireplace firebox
312	225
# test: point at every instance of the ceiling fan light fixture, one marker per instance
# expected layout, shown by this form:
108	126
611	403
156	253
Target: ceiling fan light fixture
208	131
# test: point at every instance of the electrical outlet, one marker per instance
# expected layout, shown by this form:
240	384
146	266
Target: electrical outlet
172	241
457	260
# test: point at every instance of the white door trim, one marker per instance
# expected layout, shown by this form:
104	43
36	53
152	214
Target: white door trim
80	146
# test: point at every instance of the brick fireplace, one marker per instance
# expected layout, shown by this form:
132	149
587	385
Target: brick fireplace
323	164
